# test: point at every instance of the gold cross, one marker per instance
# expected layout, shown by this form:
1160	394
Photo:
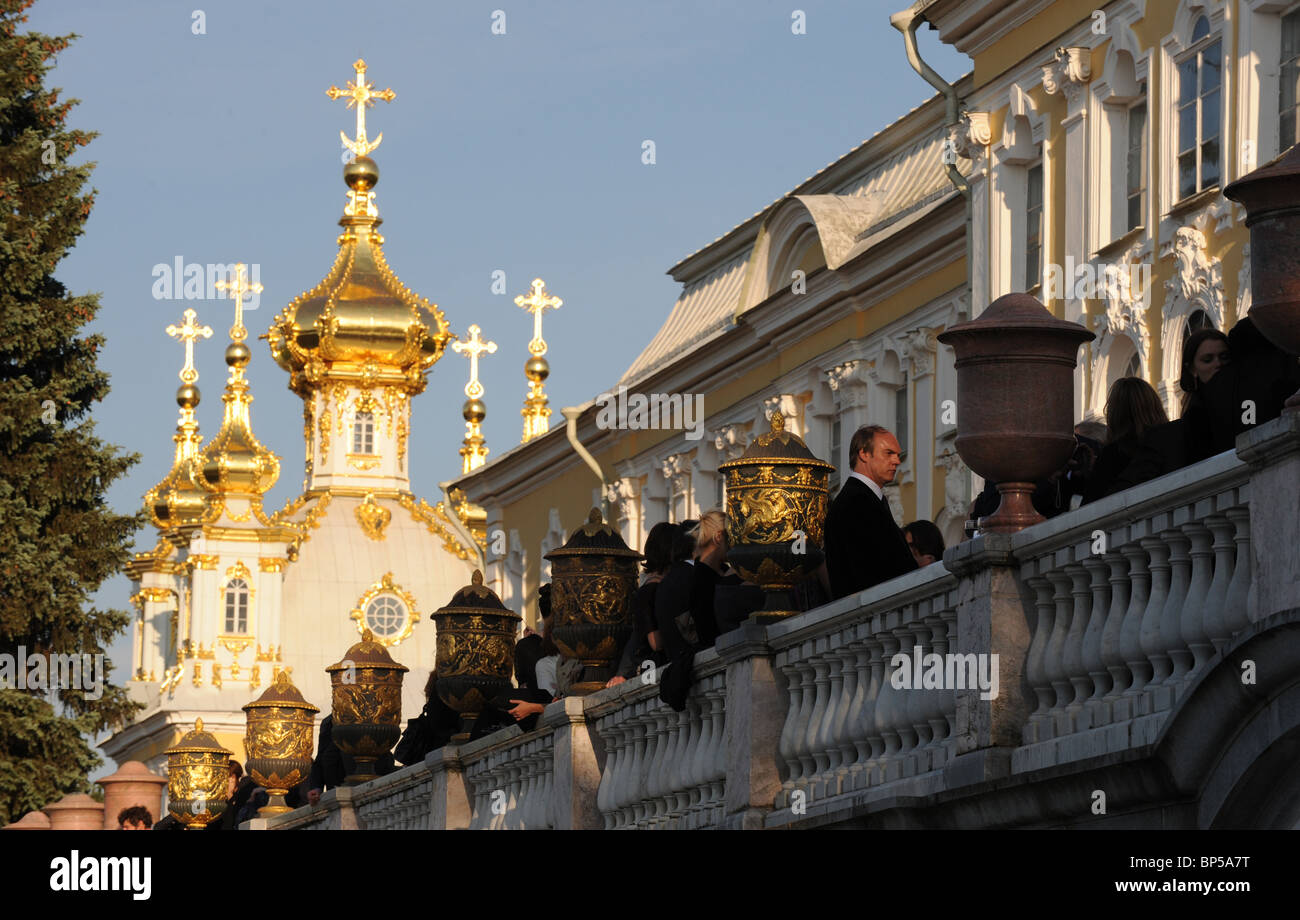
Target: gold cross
360	94
473	347
536	302
187	332
238	289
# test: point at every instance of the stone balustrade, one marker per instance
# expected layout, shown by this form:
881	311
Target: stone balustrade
1119	635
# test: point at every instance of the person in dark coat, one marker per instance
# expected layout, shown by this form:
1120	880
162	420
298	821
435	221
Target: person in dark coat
1132	409
864	545
684	602
331	766
430	730
642	645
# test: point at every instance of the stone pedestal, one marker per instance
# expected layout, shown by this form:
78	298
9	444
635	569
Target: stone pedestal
132	785
76	812
755	717
577	770
1273	451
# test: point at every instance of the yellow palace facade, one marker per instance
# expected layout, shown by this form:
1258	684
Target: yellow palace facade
1082	159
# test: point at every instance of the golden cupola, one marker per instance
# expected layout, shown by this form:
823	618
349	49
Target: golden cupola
235	463
360	326
176	505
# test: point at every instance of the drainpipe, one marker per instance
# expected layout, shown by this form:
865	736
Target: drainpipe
461	530
571	414
907	22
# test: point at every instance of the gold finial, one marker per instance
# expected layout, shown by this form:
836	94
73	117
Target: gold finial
198	725
477	578
472	348
187	332
537	301
282	680
367	635
594	517
360	95
238	289
778	421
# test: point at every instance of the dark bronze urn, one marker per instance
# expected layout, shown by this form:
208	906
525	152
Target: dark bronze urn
367	700
278	741
1015	400
476	650
777	495
593	578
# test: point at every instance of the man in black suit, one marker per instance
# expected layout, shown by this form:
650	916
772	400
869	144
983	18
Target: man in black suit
863	543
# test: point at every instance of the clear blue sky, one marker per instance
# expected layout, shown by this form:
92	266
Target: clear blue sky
519	152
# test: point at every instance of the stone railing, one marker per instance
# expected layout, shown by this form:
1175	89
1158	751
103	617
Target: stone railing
1102	627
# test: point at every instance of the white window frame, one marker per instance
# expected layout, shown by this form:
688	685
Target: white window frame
1259	62
363	432
1173	49
1024	143
1123	84
237	589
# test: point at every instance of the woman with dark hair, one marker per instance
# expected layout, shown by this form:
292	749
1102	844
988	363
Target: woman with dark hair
1204	353
1132	409
430	730
643	644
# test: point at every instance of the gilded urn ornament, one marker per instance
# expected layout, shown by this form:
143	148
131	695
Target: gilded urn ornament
777	497
593	578
367	701
198	771
278	741
476	650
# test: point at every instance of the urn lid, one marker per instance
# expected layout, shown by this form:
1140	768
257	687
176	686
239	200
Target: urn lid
1013	313
197	741
777	446
1274	185
281	693
475	596
367	654
594	538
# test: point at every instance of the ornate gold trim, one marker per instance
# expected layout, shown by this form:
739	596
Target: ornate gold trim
206	561
386	585
437	522
373	517
364	461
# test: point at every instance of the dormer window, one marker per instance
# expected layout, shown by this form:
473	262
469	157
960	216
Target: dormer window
237	607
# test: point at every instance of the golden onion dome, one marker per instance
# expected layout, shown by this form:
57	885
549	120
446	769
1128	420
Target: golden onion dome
176	504
235	462
360	324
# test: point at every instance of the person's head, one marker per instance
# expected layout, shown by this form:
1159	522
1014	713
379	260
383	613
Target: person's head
135	818
874	452
925	540
1204	353
1132	407
544	602
711	538
431	685
659	548
684	540
232	781
1095	431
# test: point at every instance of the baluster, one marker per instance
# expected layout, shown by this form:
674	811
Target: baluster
604	792
857	716
1035	663
887	705
1054	658
1112	652
716	755
903	700
1096	712
808	771
1130	637
700	763
786	747
655	783
935	714
829	737
919	705
1236	612
1193	618
640	771
688	730
1152	641
822	685
844	716
1216	617
671	762
1171	630
950	704
868	727
1075	671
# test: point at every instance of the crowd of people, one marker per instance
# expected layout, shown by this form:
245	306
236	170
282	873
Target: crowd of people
689	595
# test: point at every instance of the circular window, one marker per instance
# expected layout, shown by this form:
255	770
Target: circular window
386	616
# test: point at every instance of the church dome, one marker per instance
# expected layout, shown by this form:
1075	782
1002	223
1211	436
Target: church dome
360	324
176	504
235	462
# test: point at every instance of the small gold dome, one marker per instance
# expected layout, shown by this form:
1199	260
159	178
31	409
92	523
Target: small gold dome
359	324
474	410
187	396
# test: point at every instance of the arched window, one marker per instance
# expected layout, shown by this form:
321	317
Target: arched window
237	607
1195	322
386	616
363	433
1133	368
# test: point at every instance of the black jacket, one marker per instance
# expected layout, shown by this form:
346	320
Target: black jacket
864	546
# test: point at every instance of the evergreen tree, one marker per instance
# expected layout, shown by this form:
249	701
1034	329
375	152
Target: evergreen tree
59	539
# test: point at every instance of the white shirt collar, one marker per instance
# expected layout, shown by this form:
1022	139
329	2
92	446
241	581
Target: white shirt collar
880	493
